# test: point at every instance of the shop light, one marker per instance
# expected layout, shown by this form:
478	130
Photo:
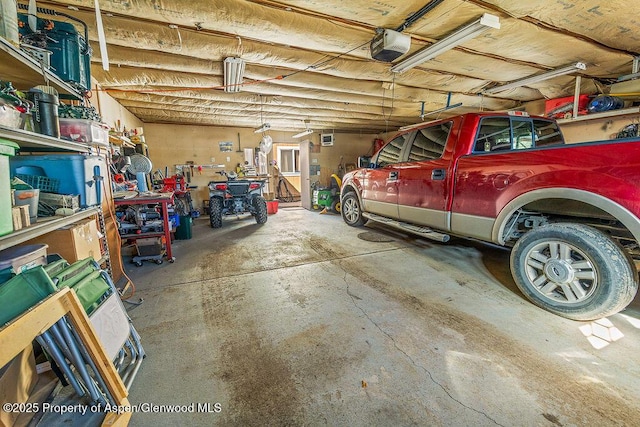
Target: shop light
233	74
461	35
537	78
265	127
303	133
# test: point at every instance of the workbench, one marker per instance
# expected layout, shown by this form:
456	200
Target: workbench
163	199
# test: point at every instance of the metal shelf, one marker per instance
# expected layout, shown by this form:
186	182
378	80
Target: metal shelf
29	140
43	227
603	115
26	72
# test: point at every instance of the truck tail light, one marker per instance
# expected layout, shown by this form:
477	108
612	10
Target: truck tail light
254	186
221	187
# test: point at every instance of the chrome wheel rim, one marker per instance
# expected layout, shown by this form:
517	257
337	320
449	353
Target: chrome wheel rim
561	272
350	210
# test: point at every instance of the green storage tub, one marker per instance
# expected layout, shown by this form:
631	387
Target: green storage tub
23	292
7	149
183	231
85	278
90	290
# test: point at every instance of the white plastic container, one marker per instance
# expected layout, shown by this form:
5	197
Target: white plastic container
24	257
9	21
86	131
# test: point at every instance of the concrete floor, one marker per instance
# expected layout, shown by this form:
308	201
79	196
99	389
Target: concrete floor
302	321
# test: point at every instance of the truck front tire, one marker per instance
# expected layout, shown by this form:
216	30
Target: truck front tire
574	271
351	210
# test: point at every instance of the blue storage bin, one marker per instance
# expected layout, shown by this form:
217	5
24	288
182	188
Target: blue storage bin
76	173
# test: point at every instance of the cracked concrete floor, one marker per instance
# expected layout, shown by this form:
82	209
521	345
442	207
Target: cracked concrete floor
306	321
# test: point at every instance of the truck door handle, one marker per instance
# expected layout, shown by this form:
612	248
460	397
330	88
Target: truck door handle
393	176
438	174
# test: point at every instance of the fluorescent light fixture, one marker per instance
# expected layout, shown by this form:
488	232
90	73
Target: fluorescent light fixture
265	127
460	36
233	74
303	133
537	78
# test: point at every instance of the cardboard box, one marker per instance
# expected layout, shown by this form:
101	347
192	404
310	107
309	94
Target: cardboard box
78	241
17	380
149	247
20	217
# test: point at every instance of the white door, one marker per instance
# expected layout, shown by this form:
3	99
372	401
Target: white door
305	182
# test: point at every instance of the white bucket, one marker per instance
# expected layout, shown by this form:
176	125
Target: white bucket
30	198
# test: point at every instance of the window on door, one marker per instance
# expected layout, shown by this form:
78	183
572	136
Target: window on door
289	160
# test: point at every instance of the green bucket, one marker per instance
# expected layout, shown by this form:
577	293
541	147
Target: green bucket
183	231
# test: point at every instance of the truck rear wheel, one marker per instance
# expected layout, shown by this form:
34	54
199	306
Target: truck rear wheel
351	210
215	212
574	271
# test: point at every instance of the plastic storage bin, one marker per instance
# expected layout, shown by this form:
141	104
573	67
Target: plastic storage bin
75	172
183	231
17	259
7	149
85	278
23	292
10	117
86	131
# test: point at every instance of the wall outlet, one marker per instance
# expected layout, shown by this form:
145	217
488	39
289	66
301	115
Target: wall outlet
228	159
213	160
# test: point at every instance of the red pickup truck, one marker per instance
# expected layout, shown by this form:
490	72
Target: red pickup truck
570	212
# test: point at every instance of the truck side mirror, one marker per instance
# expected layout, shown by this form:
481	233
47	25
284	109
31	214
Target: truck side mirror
364	162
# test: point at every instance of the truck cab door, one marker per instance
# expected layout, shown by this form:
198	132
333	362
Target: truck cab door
380	184
425	178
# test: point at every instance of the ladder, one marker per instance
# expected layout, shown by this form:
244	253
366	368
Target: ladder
106	257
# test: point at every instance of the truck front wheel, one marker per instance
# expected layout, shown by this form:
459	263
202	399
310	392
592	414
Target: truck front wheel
574	271
351	210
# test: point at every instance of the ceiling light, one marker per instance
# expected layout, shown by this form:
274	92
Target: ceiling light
538	78
458	37
303	133
233	74
265	127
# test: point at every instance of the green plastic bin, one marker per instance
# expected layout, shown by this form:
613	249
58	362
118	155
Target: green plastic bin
23	292
183	231
90	290
85	278
7	149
